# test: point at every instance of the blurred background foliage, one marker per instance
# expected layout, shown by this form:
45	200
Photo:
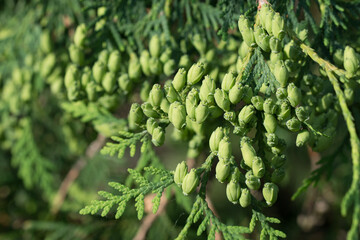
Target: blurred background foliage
41	143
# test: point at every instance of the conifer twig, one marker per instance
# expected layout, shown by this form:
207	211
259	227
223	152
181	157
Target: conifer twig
74	172
150	218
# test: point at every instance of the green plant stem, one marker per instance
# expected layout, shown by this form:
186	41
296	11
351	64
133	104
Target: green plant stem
354	139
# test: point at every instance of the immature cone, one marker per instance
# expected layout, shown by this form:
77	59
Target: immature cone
228	81
86	77
195	73
207	89
151	124
292	51
156	95
148	110
236	93
154	46
270	123
72	74
271	139
258	102
281	93
284	112
166	55
269	15
281	73
302	113
247	114
225	149
136	116
125	83
179	80
171	93
233	191
185	62
76	55
169	67
258	167
243	50
270	192
278	25
302	138
180	173
265	8
134	69
158	136
275	45
91	91
145	62
294	95
190	182
98	70
251	181
245	198
199	43
114	61
293	124
351	61
270	106
192	100
261	38
222	99
246	31
177	115
109	82
247	151
201	112
215	139
165	105
222	171
104	56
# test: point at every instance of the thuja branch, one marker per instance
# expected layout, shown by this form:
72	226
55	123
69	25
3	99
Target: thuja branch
354	141
314	56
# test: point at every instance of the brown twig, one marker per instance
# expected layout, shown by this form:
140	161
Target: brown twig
74	172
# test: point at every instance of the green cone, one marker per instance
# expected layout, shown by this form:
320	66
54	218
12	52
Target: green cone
156	95
247	151
158	136
179	80
195	73
258	167
114	61
215	139
222	99
190	182
177	115
270	123
233	191
192	100
225	149
270	192
245	198
207	89
180	173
